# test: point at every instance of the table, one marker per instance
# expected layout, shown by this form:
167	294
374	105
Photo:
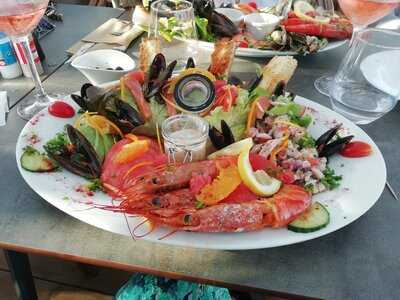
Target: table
360	261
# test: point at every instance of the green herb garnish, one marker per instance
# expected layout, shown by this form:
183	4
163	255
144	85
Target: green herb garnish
200	205
306	141
56	144
94	185
331	181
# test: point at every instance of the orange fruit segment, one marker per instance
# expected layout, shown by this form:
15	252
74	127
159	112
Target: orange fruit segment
131	151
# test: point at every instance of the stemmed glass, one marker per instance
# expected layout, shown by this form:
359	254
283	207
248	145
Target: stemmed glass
361	13
367	84
173	22
17	19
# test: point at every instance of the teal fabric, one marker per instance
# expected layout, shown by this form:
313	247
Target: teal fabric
147	287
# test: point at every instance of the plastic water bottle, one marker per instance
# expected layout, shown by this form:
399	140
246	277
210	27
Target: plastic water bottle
9	67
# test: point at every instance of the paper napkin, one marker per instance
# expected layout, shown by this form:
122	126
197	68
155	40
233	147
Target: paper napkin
3	107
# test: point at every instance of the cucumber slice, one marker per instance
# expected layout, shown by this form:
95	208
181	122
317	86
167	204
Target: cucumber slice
32	160
315	218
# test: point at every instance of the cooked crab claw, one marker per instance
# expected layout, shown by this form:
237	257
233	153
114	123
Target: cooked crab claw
78	157
326	147
223	138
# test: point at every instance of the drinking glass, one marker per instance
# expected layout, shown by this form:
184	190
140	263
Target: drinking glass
17	19
367	84
361	13
173	22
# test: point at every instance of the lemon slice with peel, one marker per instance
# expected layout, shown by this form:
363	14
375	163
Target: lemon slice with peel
233	149
259	182
301	8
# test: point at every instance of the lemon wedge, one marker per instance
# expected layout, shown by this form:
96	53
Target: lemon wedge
301	8
233	149
259	182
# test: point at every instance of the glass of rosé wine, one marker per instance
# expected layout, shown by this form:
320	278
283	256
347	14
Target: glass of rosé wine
17	19
361	13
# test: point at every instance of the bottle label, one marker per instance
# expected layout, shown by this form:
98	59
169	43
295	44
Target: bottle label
7	56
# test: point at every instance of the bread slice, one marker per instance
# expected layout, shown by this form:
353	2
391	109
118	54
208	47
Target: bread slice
279	68
148	49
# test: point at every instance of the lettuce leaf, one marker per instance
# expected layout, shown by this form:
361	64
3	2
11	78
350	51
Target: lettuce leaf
236	118
158	115
202	30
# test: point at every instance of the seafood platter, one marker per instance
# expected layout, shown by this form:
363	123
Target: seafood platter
201	158
258	31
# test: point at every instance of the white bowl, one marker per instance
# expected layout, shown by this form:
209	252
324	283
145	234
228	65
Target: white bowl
261	24
235	15
94	65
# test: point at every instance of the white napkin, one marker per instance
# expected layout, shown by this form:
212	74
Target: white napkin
3	107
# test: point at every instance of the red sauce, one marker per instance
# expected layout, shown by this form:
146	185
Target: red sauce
61	109
356	149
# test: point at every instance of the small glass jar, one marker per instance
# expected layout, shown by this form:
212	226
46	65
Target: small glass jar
185	137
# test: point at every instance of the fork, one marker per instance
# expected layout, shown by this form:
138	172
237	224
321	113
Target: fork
391	190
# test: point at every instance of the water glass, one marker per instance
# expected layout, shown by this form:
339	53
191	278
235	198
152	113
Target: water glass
367	84
173	22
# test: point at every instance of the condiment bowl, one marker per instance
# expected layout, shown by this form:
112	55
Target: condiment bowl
261	24
102	66
235	15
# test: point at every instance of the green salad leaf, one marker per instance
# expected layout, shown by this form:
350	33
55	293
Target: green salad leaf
236	118
291	108
306	141
202	29
172	27
158	115
56	144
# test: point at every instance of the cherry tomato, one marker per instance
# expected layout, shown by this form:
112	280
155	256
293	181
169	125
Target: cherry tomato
218	84
259	162
61	109
356	149
243	44
252	4
287	177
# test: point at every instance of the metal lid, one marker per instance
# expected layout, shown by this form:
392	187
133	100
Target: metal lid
194	92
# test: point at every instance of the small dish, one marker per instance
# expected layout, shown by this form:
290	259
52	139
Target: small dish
235	15
102	66
261	24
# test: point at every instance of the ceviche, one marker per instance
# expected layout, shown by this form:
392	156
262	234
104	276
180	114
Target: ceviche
262	166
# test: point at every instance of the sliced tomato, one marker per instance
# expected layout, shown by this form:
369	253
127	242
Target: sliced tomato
356	149
198	181
259	162
243	44
136	90
226	96
241	194
287	177
253	4
218	84
136	75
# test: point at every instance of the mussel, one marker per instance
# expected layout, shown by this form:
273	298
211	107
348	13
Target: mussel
158	76
254	82
326	147
78	157
223	138
109	105
190	63
221	26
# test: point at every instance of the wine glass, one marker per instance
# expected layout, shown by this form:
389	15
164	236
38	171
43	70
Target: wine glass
367	84
173	22
361	13
17	19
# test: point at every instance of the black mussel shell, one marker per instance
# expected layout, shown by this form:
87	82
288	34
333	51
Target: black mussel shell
221	139
235	80
222	26
84	88
335	146
227	133
190	63
326	137
280	89
157	66
254	82
80	101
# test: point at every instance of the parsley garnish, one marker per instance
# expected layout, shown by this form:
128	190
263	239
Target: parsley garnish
95	185
331	181
306	141
200	205
56	144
